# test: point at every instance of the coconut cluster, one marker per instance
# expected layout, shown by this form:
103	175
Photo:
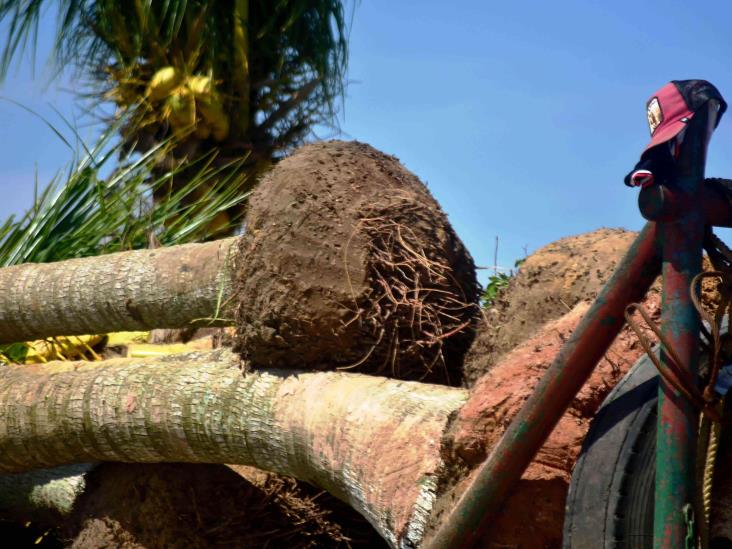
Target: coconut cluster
189	101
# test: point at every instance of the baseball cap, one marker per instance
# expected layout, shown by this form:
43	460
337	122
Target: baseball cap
671	108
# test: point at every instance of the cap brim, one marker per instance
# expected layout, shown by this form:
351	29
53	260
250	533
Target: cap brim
668	132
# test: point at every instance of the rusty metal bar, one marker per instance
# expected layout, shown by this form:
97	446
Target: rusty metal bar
662	203
681	241
471	517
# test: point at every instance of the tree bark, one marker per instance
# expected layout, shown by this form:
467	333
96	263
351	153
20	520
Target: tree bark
372	442
163	288
44	493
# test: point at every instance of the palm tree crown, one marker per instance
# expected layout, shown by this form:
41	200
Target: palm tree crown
247	78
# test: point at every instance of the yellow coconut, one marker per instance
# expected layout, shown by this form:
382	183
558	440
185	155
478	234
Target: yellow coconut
213	113
200	85
181	107
162	83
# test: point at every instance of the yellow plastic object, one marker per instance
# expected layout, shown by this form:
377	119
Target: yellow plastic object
144	350
63	348
126	338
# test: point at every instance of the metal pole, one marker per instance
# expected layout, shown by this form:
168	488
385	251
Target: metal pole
681	241
662	203
471	517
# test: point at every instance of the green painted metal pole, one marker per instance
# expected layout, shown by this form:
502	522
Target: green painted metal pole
681	241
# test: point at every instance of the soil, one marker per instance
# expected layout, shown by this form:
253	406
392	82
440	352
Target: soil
521	336
136	506
347	261
496	398
549	284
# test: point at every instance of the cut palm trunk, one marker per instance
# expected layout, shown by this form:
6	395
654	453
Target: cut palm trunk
372	442
43	494
127	291
347	261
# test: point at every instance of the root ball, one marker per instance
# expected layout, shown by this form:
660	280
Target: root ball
348	262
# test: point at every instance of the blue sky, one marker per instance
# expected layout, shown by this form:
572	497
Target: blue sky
522	117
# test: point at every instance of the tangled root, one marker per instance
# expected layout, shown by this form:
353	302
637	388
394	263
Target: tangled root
413	309
348	262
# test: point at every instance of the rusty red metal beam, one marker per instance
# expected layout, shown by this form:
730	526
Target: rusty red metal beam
677	418
471	517
662	203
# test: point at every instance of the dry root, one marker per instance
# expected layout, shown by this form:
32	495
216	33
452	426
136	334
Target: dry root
413	310
348	262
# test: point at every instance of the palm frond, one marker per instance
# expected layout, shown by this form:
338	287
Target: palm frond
81	214
296	54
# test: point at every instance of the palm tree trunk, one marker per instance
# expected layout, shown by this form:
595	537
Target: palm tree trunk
241	60
43	494
139	290
372	442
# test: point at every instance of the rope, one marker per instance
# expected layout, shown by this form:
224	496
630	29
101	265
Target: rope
706	400
713	432
715	321
671	371
721	257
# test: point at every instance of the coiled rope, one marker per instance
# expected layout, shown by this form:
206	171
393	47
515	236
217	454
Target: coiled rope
707	401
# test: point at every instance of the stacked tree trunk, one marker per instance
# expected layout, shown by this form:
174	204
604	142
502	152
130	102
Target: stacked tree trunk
347	265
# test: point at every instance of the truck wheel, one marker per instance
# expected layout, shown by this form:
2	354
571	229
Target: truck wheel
610	500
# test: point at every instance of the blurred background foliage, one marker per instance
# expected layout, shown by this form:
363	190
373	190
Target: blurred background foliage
248	79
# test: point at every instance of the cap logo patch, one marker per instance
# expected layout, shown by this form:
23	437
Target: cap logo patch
655	114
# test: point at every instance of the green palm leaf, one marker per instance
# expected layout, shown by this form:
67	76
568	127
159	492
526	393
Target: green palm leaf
80	213
294	53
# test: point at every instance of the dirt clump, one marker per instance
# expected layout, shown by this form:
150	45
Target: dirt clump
136	506
495	400
549	283
347	261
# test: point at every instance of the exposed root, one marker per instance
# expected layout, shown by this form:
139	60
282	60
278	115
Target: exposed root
413	309
349	263
184	505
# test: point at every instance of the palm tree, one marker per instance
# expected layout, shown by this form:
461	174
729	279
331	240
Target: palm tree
370	441
248	78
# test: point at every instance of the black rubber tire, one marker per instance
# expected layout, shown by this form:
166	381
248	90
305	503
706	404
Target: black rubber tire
610	500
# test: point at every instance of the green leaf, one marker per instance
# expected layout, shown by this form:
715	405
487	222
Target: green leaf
15	352
83	214
495	284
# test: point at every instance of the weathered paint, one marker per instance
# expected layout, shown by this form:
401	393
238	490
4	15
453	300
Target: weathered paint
681	241
661	203
470	518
